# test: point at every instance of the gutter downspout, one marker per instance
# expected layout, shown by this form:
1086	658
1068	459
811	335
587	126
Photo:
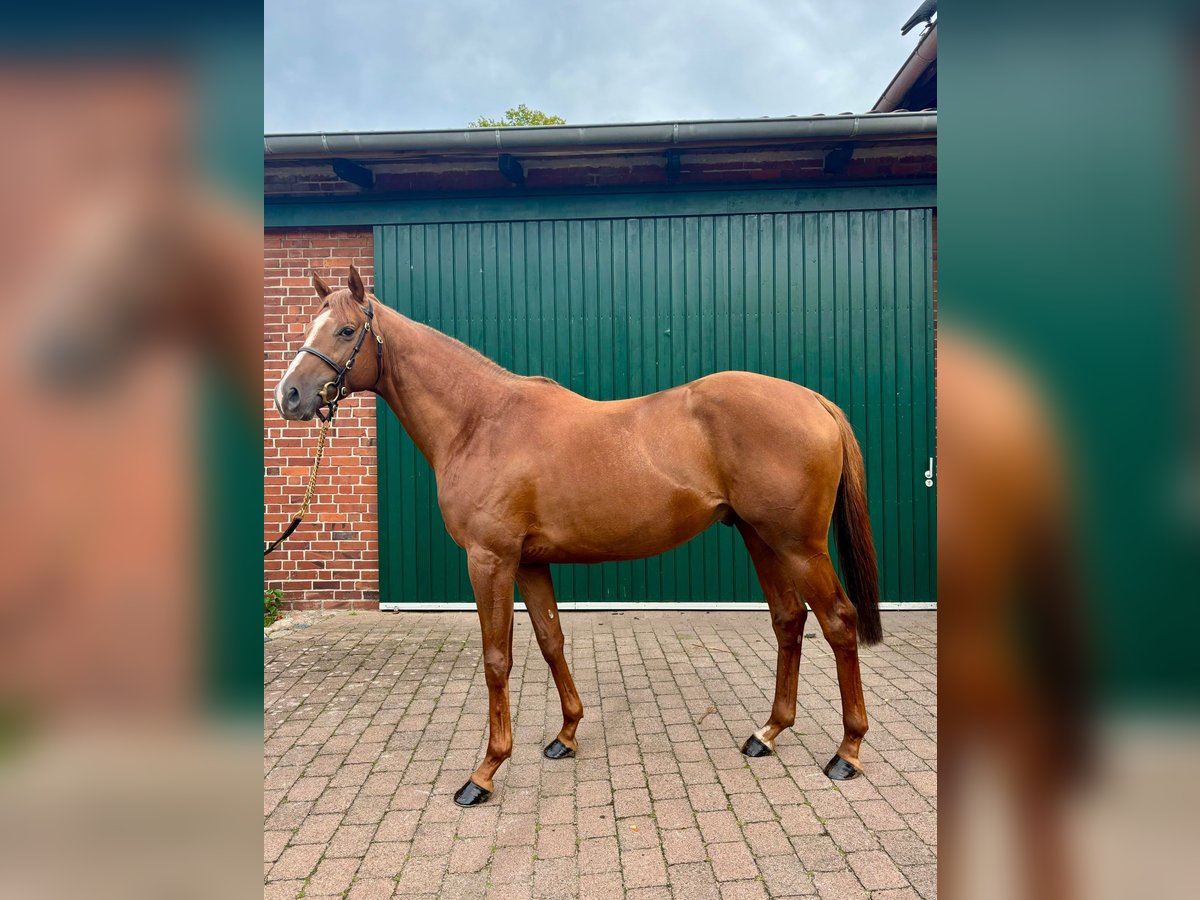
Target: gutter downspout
914	67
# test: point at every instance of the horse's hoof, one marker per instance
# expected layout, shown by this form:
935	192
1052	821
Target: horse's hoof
471	794
840	770
755	748
558	750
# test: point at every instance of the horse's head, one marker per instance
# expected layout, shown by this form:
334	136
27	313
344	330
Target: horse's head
342	352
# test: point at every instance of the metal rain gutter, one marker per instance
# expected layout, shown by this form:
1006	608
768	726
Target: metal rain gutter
915	66
869	126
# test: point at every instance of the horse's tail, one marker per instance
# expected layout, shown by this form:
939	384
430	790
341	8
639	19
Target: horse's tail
852	525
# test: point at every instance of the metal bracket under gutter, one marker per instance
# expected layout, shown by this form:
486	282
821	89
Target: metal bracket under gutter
838	158
674	165
354	173
510	168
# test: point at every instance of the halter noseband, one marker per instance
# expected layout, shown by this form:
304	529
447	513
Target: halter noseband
333	391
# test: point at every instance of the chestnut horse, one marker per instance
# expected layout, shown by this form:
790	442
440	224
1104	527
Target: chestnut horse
530	473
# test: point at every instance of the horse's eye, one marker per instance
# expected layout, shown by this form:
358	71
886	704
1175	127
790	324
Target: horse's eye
348	331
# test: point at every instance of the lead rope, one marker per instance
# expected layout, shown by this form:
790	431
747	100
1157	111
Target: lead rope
309	490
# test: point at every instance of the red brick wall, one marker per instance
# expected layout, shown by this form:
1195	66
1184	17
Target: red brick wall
332	560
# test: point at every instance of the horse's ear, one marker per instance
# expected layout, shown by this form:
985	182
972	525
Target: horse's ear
323	290
357	288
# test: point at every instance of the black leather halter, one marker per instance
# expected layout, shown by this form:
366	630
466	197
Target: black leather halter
333	391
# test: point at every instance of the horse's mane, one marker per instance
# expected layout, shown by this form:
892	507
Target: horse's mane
343	303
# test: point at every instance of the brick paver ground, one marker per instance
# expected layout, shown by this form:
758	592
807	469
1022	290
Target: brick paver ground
374	720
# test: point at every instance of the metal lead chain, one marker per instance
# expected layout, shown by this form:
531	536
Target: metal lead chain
312	476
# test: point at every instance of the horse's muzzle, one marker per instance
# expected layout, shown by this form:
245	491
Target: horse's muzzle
293	405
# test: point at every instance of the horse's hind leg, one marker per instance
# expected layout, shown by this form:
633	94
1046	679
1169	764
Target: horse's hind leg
537	589
812	571
788	614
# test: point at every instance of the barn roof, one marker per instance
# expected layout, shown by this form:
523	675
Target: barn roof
914	86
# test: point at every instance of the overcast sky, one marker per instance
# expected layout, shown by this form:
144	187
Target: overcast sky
362	65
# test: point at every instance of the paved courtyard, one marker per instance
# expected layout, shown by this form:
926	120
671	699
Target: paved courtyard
374	720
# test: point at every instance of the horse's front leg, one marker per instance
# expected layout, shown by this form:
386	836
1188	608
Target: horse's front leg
537	589
492	580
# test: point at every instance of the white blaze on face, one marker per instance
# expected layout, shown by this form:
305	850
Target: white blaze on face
313	331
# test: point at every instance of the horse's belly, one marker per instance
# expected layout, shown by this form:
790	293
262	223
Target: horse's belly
635	529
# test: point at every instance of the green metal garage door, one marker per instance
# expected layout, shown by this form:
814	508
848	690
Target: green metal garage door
617	296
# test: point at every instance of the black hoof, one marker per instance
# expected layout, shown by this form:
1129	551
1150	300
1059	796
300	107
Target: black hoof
558	750
471	794
754	747
840	770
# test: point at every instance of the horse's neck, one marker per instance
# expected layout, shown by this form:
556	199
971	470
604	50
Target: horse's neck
437	387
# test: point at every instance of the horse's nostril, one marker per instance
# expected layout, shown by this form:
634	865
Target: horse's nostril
293	397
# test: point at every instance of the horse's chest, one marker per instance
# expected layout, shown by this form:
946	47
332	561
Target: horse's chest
480	510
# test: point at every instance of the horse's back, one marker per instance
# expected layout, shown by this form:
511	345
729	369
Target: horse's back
718	417
748	408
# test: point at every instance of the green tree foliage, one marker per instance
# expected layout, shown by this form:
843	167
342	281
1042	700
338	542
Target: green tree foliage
521	115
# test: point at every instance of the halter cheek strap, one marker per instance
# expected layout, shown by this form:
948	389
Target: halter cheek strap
333	391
